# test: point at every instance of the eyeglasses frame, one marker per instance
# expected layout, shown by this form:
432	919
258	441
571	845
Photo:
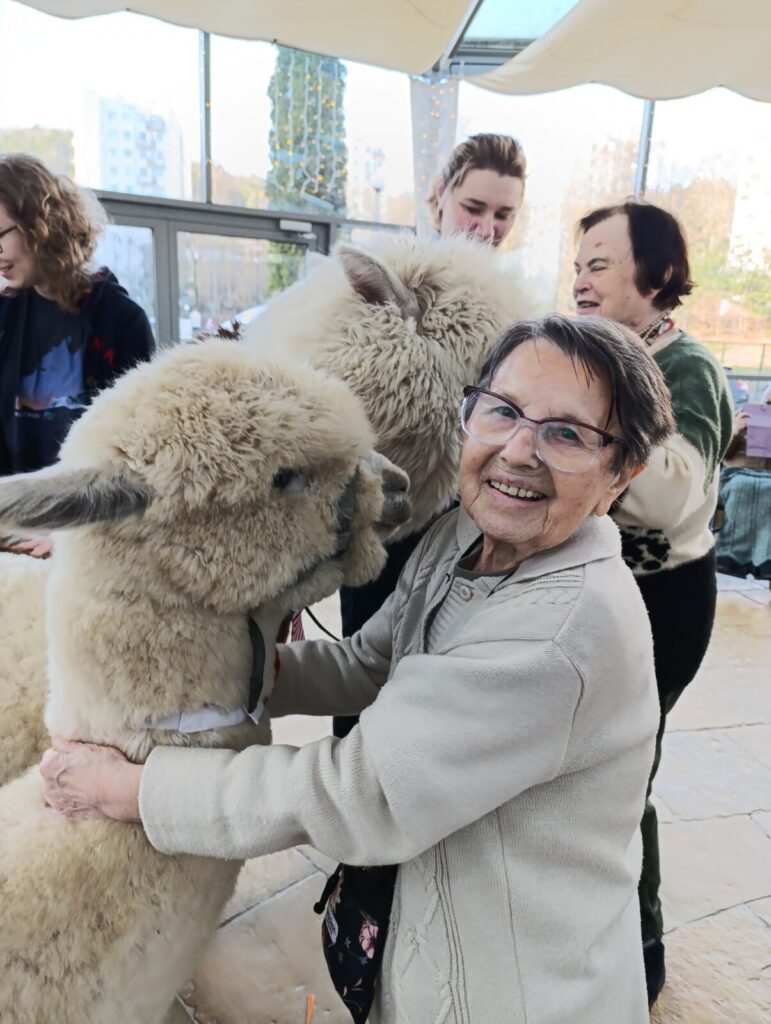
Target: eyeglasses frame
7	231
470	389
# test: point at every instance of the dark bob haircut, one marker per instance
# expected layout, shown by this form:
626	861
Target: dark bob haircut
659	248
639	395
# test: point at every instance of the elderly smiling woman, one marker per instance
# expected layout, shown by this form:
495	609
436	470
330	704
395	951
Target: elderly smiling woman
508	716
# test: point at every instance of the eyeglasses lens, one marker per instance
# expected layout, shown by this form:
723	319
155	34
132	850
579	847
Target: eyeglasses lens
565	446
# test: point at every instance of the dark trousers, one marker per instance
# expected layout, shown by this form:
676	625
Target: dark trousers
681	606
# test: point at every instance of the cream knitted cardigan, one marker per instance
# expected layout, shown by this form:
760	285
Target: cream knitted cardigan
505	774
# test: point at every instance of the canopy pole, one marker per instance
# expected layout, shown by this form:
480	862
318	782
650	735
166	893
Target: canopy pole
644	149
204	73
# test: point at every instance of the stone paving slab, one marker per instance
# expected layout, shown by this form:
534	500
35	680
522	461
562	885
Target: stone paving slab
700	707
260	968
731	687
320	860
757	740
763	821
746	687
717	972
663	813
708	866
763	910
708	774
762	599
745	583
738	610
262	877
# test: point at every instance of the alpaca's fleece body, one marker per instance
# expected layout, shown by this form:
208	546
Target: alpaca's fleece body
202	486
23	736
406	325
96	926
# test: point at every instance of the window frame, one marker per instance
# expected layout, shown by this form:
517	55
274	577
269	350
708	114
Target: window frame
167	217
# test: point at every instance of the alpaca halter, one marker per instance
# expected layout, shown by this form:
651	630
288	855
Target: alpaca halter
206	718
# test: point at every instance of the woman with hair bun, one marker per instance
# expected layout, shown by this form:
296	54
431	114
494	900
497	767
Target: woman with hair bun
66	331
480	189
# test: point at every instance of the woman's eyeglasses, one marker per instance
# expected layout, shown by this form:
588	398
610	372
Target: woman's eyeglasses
565	445
13	227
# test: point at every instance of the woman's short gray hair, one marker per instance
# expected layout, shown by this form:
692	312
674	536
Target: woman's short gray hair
640	398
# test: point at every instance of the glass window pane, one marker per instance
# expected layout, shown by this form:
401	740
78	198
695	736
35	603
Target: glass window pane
121	111
581	147
128	252
717	183
517	19
223	278
363	236
240	76
320	136
379	136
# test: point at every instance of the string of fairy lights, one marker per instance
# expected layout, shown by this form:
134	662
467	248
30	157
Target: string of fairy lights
309	152
309	159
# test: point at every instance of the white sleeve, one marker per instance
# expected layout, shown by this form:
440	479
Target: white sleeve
450	738
669	489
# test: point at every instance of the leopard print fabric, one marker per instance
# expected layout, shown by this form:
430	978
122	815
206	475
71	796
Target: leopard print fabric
644	550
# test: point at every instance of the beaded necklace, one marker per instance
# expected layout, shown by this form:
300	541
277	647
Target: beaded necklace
660	325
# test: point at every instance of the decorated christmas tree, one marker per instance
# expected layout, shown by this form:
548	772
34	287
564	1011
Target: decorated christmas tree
307	136
307	145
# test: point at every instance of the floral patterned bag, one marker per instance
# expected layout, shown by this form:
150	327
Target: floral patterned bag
356	904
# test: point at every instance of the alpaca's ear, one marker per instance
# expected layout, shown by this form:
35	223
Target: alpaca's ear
55	498
374	282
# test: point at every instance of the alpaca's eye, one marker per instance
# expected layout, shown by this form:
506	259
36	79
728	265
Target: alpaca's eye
283	478
290	481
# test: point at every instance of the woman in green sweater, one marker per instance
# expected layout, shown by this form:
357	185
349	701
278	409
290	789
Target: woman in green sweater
632	266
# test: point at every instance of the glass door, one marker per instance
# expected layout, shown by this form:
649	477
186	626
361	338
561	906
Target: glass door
224	278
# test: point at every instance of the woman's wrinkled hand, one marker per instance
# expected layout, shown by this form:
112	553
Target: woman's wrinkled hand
85	780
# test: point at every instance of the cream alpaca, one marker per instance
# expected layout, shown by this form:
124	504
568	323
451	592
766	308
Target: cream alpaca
202	486
405	325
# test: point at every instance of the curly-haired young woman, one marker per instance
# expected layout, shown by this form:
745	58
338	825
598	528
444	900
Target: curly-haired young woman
65	331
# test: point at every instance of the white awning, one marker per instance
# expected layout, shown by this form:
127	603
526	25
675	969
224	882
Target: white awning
405	35
655	49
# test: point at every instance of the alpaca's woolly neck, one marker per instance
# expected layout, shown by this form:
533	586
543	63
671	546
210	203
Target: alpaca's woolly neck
120	659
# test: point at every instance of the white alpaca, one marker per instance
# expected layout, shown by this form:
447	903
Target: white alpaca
405	325
203	486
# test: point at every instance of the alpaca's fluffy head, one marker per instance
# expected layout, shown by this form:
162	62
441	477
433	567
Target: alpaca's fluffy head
227	480
405	325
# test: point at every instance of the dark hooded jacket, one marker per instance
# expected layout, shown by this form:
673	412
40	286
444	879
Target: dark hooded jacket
52	363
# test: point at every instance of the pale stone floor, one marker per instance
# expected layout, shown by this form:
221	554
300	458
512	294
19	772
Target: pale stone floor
713	792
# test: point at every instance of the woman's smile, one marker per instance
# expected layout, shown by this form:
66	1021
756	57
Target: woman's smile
515	492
